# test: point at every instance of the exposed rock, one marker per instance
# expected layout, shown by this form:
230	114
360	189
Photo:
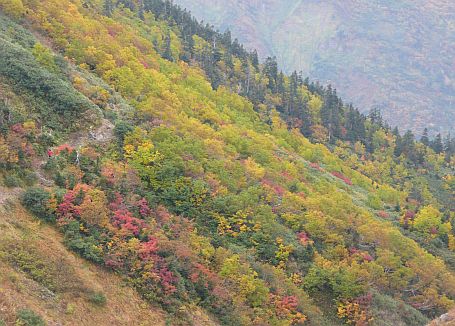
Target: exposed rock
447	319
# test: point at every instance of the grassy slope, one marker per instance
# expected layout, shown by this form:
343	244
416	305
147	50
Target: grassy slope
41	274
73	279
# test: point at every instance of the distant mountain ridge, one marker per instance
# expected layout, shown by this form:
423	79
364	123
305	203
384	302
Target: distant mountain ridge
397	56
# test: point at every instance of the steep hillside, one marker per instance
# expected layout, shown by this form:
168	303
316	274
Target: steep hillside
165	154
39	274
395	56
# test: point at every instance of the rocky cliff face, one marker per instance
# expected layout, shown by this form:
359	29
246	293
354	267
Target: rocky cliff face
398	56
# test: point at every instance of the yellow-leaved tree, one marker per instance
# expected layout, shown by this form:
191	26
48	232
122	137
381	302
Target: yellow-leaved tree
14	8
429	223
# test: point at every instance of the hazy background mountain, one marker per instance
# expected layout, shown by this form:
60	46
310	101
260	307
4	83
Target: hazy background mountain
395	55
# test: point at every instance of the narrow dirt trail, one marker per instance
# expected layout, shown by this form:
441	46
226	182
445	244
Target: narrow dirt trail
99	135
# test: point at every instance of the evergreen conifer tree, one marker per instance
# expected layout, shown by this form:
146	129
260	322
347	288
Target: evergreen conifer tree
437	145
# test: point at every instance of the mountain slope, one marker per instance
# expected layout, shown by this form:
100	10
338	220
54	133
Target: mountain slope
206	202
39	273
395	56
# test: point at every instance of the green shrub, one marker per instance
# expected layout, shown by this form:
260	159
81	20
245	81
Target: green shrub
2	323
47	140
14	32
86	246
29	177
374	202
28	260
121	129
70	309
35	200
63	103
27	317
387	311
111	115
12	181
98	298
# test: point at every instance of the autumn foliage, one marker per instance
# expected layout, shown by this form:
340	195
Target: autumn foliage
199	197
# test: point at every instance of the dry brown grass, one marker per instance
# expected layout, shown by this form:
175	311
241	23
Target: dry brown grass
445	320
8	194
73	280
61	297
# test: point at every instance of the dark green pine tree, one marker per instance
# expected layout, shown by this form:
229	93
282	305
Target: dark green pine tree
216	55
305	117
398	143
291	105
326	110
409	148
228	60
5	117
271	71
281	90
449	147
331	113
167	53
141	10
437	145
376	117
226	38
108	8
188	47
255	59
424	139
354	125
127	4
